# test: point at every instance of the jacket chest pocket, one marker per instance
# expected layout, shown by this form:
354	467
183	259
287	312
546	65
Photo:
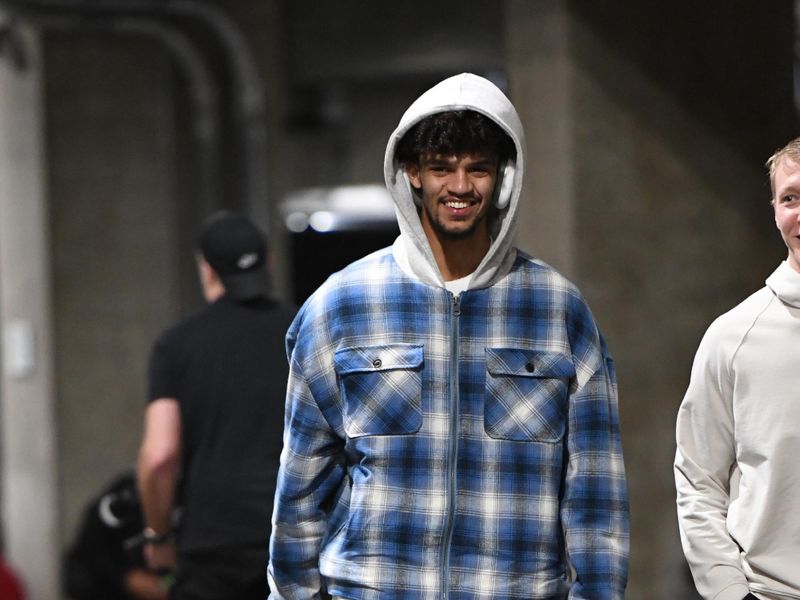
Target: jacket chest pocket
381	387
527	393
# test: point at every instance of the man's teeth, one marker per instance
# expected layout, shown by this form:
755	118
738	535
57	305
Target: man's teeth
457	204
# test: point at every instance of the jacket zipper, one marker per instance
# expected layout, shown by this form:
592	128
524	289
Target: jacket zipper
453	457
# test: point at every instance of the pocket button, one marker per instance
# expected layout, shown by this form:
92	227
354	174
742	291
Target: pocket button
530	367
377	363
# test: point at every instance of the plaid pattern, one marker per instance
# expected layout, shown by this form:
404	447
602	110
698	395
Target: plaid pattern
429	455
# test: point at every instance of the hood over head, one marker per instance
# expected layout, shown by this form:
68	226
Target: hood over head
412	250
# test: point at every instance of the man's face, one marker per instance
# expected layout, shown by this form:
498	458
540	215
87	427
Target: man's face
787	208
456	193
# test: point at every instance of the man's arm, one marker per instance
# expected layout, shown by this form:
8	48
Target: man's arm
157	473
704	461
311	473
594	507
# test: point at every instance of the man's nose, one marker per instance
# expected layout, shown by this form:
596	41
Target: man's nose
460	182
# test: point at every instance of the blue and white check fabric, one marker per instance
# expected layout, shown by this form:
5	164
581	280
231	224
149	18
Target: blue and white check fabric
449	448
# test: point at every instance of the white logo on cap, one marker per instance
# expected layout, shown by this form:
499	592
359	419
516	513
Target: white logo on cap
247	260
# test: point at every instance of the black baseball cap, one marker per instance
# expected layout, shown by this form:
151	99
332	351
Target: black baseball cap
237	251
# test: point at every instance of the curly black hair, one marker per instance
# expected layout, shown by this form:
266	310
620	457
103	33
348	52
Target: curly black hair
454	132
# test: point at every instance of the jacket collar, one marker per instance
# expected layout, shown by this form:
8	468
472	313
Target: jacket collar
785	283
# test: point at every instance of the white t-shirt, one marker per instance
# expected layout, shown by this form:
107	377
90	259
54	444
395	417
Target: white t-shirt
457	286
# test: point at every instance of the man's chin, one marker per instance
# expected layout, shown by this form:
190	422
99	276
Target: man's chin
455	234
457	230
794	259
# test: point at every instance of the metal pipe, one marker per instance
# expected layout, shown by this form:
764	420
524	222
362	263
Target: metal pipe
249	105
11	46
203	93
249	108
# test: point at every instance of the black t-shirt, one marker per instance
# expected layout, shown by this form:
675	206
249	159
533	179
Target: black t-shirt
226	365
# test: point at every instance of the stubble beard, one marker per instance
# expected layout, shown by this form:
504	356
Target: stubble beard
446	234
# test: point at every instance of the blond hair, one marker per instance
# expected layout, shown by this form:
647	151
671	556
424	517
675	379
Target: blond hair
790	151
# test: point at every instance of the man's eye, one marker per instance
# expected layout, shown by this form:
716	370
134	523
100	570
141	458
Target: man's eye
788	198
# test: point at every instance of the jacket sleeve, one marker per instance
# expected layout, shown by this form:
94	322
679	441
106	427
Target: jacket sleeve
311	472
704	461
594	507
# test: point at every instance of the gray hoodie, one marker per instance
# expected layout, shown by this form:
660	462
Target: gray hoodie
412	250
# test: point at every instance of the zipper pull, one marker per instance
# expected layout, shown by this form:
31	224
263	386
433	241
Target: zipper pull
457	305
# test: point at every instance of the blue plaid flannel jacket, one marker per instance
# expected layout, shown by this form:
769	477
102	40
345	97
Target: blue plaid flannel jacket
441	447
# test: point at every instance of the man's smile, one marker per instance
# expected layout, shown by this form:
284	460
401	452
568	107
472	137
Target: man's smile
459	203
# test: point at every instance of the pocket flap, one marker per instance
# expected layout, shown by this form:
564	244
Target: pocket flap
528	363
377	358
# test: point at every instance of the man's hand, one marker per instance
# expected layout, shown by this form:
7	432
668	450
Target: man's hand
160	557
143	585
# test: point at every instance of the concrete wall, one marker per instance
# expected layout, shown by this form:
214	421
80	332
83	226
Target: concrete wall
114	245
27	415
541	70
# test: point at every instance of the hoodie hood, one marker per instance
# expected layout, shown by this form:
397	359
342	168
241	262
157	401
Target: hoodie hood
785	284
412	250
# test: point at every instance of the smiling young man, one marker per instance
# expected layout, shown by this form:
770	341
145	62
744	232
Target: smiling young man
736	467
451	418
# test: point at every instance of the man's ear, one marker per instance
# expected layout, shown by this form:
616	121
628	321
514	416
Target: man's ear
412	170
210	282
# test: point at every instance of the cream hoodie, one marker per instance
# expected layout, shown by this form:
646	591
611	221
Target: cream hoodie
737	466
412	250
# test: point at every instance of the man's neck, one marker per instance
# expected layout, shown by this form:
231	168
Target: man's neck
458	258
213	291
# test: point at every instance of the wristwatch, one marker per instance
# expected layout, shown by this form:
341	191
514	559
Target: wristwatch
151	536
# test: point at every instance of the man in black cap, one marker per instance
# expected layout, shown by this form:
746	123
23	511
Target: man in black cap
214	421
